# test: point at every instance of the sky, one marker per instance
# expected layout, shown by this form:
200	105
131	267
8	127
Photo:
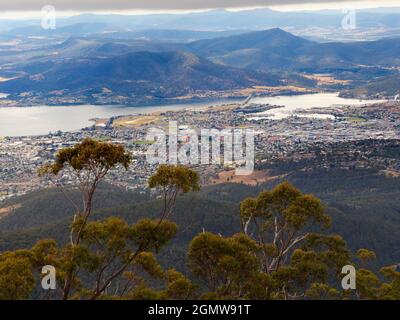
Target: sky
32	8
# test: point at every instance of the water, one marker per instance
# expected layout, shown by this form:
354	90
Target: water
17	121
21	121
291	104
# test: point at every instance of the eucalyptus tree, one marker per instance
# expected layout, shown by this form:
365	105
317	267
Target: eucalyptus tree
111	254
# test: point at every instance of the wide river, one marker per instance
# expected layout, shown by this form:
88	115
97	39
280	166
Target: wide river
22	121
304	102
26	121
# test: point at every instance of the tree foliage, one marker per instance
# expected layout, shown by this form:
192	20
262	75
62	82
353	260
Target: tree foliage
283	251
16	276
110	258
172	180
280	256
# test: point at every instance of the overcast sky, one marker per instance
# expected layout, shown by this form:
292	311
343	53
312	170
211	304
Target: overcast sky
14	8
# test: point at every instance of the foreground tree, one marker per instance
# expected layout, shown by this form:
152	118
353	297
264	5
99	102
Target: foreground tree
110	254
87	163
112	258
171	181
16	276
279	220
277	256
282	253
228	267
370	285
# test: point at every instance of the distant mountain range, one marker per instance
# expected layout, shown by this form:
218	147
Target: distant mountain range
159	74
145	68
277	49
267	50
99	30
254	19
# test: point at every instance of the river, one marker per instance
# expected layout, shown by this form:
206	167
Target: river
23	121
40	120
290	104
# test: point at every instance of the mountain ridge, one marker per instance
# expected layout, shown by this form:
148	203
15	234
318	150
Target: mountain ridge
278	49
165	74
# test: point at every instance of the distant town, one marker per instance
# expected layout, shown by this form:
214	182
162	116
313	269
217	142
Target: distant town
336	137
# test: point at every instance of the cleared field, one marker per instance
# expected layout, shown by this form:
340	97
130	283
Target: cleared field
356	119
136	121
7	210
324	79
255	178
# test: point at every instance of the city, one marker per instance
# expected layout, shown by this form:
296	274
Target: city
294	137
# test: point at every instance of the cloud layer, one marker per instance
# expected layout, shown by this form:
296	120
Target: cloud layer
104	5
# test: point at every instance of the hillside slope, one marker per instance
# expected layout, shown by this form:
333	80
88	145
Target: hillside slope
387	86
363	205
162	74
276	49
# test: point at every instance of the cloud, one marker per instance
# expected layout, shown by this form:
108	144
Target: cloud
104	5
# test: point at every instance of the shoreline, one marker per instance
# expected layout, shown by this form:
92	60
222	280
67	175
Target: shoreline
118	105
177	102
245	93
105	118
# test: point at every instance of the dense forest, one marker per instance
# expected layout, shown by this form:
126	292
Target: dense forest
177	241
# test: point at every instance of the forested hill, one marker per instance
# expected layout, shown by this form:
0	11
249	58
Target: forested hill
164	74
362	203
